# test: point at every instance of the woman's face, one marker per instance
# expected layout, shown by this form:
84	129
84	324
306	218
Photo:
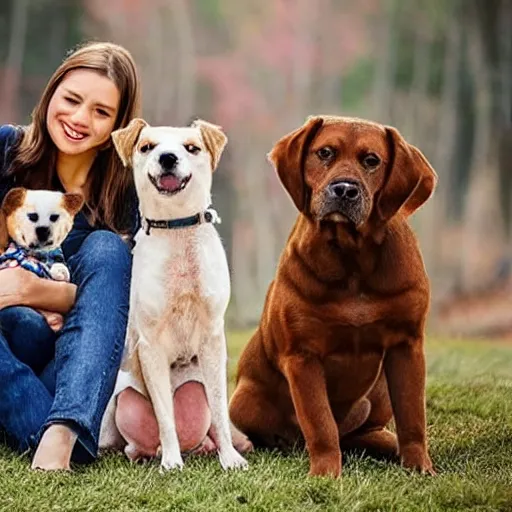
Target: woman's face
82	112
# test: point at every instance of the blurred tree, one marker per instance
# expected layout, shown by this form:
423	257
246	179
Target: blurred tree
32	44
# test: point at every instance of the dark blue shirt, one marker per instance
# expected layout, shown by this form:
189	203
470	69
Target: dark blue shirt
9	135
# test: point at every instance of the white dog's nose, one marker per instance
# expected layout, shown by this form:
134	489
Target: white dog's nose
168	161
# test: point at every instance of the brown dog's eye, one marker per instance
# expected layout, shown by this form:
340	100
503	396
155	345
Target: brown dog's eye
33	217
191	148
326	153
371	161
54	217
147	147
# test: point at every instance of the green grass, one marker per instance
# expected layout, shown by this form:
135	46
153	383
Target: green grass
470	429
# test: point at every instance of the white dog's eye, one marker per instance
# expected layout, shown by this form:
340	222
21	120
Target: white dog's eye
33	217
147	147
191	148
54	217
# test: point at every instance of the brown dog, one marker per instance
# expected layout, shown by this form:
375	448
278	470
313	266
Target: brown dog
344	318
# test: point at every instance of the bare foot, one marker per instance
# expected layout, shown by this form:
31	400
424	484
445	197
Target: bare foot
207	447
54	450
241	442
54	320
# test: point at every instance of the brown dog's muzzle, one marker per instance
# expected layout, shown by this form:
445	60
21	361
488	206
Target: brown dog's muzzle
344	199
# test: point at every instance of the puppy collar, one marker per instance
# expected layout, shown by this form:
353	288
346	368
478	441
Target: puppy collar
208	216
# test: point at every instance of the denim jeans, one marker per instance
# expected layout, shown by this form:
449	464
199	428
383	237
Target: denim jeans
68	377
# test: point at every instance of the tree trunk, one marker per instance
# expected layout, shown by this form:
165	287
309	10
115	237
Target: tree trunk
483	219
9	107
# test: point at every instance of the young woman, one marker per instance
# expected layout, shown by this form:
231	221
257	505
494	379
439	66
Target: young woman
56	376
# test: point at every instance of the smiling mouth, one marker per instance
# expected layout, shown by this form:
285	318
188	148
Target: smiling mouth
41	245
72	134
169	184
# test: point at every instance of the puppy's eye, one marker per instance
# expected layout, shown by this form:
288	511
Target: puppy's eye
147	147
33	217
54	217
371	161
191	148
326	153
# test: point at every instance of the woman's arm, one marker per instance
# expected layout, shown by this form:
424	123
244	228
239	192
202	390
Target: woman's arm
19	287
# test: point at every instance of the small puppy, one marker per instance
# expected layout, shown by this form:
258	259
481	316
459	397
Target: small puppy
180	283
33	224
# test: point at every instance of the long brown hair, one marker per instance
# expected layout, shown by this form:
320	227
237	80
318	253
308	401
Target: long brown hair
110	185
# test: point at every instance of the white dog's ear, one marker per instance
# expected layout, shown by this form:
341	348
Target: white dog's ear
125	139
73	202
214	139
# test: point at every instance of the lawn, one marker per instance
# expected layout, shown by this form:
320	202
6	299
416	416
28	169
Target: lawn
470	430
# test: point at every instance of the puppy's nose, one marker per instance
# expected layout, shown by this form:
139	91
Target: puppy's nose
345	190
168	161
42	233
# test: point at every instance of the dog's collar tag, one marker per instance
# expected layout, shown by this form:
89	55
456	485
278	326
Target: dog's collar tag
208	216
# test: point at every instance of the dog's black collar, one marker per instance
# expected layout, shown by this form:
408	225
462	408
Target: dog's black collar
209	215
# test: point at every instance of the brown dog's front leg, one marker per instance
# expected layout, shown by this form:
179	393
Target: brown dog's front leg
309	394
405	374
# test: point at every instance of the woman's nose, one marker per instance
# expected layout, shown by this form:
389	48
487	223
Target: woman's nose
81	116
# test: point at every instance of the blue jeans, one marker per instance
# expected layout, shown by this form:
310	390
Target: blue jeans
67	377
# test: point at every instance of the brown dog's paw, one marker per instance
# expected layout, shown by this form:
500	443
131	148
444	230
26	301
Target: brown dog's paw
326	465
416	457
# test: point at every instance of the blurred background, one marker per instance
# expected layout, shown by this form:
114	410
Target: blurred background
438	70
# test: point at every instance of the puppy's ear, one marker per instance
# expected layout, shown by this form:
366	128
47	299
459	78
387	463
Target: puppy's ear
4	234
410	181
125	139
214	139
288	156
72	203
13	200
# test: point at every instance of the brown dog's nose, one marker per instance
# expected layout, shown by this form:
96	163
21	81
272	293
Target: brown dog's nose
345	190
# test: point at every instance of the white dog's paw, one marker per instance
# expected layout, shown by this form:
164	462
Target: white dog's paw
231	459
171	461
60	272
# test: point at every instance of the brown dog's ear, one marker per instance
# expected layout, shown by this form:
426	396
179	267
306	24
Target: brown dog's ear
125	139
73	202
13	200
214	139
288	155
410	181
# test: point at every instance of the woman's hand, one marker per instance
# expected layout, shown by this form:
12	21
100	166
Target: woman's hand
20	287
14	283
54	320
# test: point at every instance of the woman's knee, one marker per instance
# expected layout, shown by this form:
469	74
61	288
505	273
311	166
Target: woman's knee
106	249
192	415
16	316
105	254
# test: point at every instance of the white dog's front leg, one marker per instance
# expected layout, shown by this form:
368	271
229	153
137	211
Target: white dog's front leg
157	377
214	362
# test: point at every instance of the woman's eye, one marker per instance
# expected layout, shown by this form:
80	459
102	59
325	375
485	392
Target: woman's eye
326	153
371	161
33	217
73	101
146	147
54	217
191	148
103	113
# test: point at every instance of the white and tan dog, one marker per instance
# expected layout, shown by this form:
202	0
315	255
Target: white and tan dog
33	224
180	282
